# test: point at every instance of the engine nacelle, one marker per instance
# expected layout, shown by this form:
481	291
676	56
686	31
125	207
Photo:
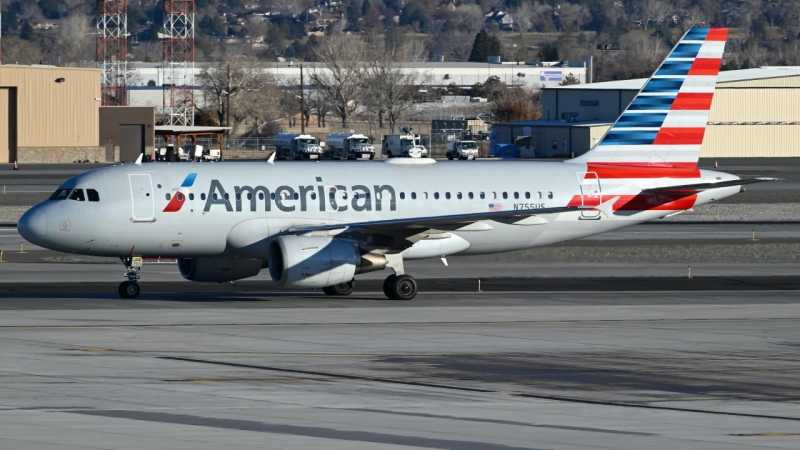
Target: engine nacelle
309	261
219	269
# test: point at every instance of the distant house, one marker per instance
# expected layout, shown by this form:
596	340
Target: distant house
503	20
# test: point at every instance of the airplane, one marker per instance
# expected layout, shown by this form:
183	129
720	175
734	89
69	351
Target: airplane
318	225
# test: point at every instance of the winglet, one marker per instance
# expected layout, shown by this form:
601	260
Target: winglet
139	159
271	159
607	207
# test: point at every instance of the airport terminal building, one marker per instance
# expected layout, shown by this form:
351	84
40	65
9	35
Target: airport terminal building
755	113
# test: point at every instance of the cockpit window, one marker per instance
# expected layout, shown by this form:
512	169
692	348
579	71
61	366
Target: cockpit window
93	195
77	194
60	194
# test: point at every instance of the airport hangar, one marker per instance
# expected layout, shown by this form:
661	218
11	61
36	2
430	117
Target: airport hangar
54	114
755	113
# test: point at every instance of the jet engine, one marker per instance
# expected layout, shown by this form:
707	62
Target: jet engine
310	262
219	269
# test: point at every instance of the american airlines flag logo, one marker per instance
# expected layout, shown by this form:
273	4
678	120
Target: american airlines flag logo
495	207
178	198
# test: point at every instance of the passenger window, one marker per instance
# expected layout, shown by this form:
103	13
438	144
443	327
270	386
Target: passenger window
413	196
168	197
550	194
180	197
297	196
377	196
447	195
313	196
539	195
436	195
202	196
505	194
261	196
470	196
238	196
272	196
424	195
214	195
191	196
494	195
458	195
483	196
402	196
527	195
77	195
516	195
60	194
93	195
249	195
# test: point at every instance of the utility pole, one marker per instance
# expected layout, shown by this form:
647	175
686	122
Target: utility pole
228	105
302	103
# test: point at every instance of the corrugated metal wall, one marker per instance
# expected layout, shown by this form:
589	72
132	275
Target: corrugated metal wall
756	105
597	133
790	81
730	141
4	143
51	114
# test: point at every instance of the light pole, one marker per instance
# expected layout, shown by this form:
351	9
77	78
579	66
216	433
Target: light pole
302	103
228	104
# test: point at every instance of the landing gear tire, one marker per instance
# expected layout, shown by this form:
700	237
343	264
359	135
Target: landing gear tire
402	287
449	156
340	289
387	285
129	289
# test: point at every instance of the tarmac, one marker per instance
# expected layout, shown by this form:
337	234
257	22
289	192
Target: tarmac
626	351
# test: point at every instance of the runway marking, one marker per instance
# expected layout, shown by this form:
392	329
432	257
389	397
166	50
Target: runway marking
485	391
333	324
765	435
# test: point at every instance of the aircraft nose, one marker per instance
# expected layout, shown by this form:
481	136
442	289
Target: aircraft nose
33	225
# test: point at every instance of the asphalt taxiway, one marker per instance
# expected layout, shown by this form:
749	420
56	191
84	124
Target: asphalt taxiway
529	363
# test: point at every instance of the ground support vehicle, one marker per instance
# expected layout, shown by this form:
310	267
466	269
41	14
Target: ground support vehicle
464	150
349	146
296	146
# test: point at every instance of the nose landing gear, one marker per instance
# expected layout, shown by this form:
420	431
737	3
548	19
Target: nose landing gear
130	288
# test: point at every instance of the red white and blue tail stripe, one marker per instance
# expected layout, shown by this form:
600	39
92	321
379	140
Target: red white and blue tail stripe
665	124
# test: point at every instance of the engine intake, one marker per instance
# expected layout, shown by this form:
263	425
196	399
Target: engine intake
309	261
219	269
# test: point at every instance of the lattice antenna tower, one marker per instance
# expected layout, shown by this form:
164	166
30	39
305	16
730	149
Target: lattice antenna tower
178	64
112	50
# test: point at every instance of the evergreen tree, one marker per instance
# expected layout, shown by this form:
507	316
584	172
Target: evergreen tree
353	11
365	7
480	48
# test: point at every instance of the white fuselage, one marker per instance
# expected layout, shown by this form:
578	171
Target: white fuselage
130	218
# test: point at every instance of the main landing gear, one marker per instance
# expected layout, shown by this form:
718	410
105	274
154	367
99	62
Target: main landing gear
340	289
400	287
130	288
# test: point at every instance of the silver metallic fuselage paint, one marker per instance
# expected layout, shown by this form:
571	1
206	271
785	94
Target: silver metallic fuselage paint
201	228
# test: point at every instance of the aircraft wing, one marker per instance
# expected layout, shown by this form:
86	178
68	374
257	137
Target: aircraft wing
416	225
697	187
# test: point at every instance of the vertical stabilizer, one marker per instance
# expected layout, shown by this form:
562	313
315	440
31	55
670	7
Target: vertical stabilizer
665	124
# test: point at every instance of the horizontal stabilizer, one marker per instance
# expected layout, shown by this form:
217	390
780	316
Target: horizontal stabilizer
697	187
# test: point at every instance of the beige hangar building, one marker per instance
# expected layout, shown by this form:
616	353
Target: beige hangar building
755	113
54	114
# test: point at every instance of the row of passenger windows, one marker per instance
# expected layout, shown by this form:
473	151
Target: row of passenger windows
76	194
423	196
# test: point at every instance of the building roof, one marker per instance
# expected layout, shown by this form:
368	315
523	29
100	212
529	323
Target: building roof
554	123
727	76
180	129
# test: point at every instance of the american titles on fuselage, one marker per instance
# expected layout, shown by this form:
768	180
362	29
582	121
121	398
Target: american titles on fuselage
358	197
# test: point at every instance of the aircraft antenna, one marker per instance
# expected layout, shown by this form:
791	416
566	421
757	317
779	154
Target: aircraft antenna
112	50
178	62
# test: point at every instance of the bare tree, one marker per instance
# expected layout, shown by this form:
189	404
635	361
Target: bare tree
523	19
516	105
74	40
393	86
241	83
469	18
20	51
573	16
656	10
342	84
457	45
